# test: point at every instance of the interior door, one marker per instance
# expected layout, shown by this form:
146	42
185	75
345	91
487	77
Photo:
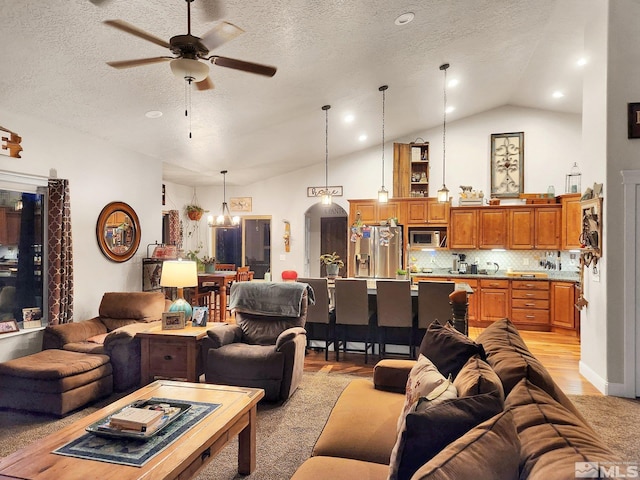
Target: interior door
256	242
333	238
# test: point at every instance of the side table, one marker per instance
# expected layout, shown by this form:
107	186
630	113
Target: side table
171	354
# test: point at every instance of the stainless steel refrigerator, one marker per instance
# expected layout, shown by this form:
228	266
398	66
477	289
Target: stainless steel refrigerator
377	252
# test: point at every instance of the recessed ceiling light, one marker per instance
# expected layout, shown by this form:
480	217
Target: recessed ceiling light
450	109
557	94
453	82
153	114
362	137
582	62
404	18
349	117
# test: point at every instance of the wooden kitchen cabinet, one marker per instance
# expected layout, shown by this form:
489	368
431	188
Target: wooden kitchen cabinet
427	211
571	224
530	304
391	209
438	212
463	228
494	300
410	170
365	210
563	311
534	228
493	224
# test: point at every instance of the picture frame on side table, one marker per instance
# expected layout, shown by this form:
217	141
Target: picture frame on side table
507	164
172	320
200	316
8	326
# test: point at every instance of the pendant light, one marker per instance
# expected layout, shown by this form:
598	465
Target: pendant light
383	194
443	193
225	220
326	195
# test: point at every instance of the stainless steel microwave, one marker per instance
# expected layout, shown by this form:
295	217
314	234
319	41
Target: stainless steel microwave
424	238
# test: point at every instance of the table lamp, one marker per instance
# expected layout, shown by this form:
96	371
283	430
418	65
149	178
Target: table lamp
180	274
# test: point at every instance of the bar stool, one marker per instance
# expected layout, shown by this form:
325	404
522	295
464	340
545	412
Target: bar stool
394	312
353	317
320	316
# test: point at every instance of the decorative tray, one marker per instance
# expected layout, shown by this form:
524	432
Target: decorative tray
173	411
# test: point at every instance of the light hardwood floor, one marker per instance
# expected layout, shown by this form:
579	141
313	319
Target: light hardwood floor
559	353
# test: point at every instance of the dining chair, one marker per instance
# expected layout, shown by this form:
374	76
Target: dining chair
320	315
433	304
242	274
353	316
204	298
394	314
226	267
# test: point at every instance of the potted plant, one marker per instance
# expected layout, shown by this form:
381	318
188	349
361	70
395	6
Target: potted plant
333	263
194	212
209	264
401	274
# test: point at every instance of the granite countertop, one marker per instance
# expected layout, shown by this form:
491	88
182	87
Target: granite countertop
562	275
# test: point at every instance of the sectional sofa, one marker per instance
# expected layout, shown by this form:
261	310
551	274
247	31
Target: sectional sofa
494	413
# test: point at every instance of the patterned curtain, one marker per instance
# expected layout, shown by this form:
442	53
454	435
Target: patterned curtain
175	231
60	253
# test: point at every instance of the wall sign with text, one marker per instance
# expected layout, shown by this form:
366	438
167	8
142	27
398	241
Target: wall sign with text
633	112
319	191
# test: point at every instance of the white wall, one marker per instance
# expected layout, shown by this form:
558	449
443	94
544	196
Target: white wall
98	173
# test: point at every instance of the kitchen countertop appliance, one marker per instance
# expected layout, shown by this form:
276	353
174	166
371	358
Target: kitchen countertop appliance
462	264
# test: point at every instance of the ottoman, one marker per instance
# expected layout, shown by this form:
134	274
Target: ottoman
54	381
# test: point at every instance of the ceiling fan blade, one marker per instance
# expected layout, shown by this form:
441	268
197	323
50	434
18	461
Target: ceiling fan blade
128	28
205	84
221	33
250	67
138	62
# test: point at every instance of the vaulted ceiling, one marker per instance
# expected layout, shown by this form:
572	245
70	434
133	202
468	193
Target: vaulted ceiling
334	52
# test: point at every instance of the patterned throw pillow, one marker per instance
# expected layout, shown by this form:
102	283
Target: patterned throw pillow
425	386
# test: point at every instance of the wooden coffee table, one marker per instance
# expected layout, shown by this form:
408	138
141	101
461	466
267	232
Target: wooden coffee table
182	459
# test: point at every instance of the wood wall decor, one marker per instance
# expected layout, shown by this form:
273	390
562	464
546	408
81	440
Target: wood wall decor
10	143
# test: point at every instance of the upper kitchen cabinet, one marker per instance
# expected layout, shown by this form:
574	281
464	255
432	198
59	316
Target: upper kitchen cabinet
535	228
571	221
372	212
427	211
493	227
410	170
463	228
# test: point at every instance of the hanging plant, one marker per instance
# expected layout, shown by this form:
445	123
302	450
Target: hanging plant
194	212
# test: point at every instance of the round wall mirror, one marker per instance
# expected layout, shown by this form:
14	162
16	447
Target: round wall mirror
118	231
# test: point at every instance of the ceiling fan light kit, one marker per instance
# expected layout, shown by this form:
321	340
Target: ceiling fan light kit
191	70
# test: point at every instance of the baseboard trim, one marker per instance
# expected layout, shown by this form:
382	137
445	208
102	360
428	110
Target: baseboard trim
606	388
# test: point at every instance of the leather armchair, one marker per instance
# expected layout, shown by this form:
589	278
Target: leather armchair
113	332
262	350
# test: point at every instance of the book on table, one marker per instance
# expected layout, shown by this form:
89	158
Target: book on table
134	418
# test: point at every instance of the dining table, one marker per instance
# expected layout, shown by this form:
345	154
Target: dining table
219	278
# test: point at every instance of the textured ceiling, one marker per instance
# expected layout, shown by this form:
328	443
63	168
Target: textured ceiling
327	52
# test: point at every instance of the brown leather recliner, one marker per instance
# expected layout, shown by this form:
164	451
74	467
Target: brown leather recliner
121	315
266	347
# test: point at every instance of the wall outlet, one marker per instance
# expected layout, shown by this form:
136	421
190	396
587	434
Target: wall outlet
283	257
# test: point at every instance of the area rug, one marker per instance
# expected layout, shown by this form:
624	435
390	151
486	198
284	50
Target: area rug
286	433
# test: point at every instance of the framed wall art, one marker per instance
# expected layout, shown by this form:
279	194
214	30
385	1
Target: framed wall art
507	164
172	320
633	119
240	204
8	326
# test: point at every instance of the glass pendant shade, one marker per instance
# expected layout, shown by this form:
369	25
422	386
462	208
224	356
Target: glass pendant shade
443	194
189	68
383	195
326	198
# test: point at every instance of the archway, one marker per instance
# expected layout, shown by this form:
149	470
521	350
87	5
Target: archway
325	231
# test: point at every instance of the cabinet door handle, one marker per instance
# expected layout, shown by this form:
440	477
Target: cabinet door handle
530	316
529	304
529	285
168	357
529	294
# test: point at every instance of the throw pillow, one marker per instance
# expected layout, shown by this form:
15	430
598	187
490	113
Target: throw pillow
433	427
553	438
425	383
97	338
448	349
477	377
490	450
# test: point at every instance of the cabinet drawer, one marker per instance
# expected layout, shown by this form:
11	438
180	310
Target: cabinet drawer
530	285
530	294
489	283
540	317
530	303
168	359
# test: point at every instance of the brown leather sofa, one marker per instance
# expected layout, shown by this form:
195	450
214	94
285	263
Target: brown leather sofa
121	315
535	433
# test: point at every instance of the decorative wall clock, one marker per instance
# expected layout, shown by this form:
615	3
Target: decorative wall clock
507	164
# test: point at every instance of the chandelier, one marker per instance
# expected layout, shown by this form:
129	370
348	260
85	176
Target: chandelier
225	220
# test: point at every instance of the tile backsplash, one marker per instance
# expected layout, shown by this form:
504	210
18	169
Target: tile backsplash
517	260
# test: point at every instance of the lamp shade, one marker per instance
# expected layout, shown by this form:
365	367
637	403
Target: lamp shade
179	273
188	68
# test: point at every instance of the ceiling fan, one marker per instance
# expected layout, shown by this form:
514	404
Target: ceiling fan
191	53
